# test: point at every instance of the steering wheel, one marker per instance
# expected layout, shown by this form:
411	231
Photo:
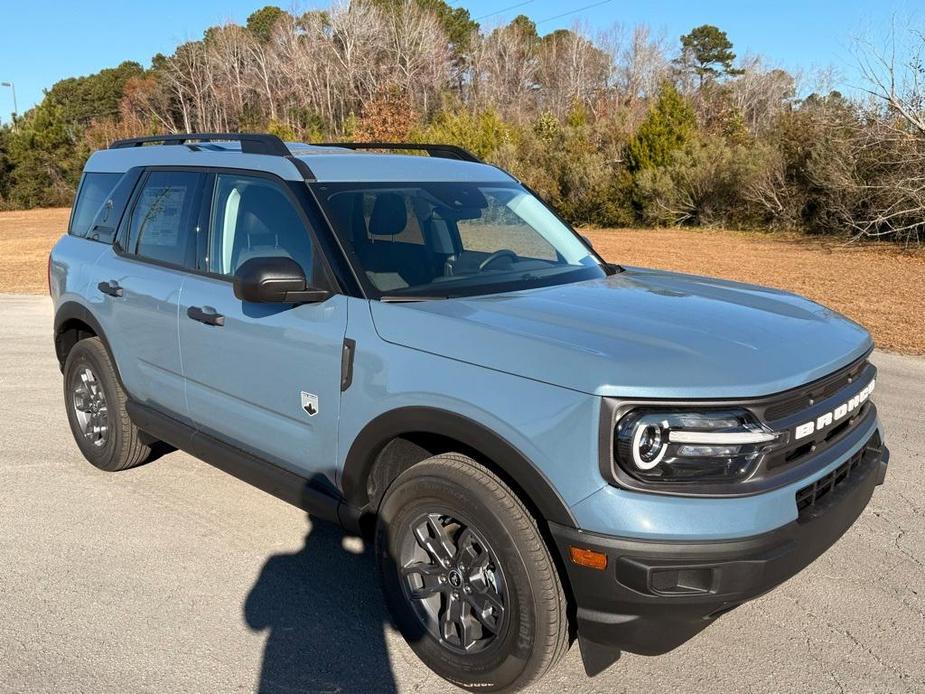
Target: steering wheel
504	252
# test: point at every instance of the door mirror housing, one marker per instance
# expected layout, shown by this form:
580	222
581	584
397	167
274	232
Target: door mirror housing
275	280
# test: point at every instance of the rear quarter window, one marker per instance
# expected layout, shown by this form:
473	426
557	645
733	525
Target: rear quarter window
95	190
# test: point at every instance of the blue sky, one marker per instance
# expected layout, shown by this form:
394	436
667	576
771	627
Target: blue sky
42	42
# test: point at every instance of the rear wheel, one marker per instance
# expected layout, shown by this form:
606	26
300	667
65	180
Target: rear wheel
468	577
95	405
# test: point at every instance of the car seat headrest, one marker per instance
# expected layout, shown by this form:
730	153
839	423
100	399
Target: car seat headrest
390	216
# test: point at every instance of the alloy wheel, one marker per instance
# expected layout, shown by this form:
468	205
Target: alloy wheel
89	401
454	582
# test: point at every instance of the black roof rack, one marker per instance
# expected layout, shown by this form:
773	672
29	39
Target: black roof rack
251	143
441	151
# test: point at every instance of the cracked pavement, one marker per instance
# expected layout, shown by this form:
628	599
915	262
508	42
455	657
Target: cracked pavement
176	577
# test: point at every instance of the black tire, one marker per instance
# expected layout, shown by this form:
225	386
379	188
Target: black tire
532	632
114	442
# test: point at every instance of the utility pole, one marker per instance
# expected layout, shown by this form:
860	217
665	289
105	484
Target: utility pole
15	107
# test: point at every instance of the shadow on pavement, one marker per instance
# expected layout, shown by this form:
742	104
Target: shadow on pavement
325	616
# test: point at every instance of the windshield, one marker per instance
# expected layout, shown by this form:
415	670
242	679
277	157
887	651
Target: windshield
440	240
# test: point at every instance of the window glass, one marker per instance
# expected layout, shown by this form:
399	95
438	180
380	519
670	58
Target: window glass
512	226
453	239
93	192
106	222
253	218
164	221
399	225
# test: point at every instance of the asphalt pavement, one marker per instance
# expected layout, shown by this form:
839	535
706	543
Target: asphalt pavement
174	577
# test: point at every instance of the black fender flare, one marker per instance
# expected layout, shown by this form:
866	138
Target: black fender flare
72	310
427	420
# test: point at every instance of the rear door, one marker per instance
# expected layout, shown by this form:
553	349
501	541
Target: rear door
140	281
264	377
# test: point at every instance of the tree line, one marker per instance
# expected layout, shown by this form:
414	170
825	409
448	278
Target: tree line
614	128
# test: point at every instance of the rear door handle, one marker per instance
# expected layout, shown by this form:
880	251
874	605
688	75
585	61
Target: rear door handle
110	288
205	315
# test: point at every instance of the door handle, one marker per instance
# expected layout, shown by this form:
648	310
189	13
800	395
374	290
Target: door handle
205	315
110	288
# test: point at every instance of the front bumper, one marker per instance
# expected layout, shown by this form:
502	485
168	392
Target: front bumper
654	596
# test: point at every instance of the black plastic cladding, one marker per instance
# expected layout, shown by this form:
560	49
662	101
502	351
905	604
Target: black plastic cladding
775	469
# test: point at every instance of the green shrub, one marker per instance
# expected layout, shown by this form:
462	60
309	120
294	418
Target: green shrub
705	183
483	133
575	166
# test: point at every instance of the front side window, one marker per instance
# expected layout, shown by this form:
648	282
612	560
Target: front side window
252	217
453	239
165	219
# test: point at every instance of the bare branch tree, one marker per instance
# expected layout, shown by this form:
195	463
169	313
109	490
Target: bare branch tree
892	145
895	73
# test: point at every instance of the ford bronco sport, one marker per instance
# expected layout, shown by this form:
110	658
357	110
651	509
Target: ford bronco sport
545	447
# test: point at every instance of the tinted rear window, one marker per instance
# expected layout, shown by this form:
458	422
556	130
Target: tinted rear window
94	191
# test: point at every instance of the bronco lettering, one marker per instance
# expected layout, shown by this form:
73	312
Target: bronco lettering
835	415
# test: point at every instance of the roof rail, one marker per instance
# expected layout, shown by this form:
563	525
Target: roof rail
251	143
441	151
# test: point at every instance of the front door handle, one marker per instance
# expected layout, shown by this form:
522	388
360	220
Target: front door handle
110	288
206	315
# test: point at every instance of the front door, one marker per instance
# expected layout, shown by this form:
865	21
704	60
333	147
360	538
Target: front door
264	377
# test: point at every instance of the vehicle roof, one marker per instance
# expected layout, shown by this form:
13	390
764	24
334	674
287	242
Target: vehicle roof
330	164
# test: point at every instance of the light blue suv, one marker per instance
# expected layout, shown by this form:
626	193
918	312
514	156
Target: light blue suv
545	446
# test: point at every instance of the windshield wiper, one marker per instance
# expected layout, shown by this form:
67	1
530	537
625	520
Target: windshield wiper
398	299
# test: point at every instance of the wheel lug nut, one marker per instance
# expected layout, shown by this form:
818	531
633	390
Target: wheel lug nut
443	579
468	589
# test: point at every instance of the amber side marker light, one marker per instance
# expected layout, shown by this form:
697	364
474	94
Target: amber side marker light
588	557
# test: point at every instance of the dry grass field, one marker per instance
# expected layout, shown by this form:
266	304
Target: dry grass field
882	287
26	237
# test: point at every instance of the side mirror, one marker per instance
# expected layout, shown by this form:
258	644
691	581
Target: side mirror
275	280
587	241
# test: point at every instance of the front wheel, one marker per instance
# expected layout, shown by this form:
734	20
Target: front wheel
467	576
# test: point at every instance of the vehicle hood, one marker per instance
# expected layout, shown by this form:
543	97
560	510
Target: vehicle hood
639	333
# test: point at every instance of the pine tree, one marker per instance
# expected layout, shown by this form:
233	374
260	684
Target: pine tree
669	126
707	52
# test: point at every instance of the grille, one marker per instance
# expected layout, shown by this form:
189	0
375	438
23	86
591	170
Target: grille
810	497
798	451
811	402
816	392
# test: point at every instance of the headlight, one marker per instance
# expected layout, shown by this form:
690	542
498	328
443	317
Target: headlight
690	445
